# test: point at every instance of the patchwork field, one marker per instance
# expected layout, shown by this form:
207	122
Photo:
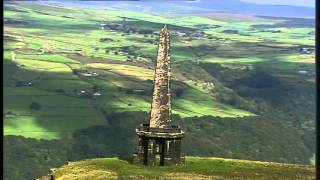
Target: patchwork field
43	40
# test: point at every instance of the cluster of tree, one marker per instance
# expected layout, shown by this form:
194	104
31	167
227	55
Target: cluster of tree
144	31
35	106
266	138
230	31
106	40
130	50
288	23
283	131
207	26
127	29
264	94
28	158
258	79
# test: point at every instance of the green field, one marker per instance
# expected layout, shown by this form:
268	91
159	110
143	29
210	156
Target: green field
49	42
49	45
194	168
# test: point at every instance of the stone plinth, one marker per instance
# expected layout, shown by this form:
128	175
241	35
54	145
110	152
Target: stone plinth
159	146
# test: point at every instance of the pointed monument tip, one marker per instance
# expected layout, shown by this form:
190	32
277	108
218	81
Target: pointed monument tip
165	27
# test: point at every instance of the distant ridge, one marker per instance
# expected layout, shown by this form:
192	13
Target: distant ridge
237	6
284	18
204	6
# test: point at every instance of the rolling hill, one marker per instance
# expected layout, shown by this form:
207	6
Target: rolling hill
205	6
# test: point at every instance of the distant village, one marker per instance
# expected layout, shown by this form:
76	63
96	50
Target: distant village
132	56
194	34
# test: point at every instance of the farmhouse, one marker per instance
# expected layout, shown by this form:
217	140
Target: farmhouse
21	83
302	72
156	33
96	94
102	25
77	93
307	50
84	73
308	73
94	74
180	33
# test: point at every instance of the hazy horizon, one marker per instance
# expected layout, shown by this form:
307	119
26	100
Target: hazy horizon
175	7
304	3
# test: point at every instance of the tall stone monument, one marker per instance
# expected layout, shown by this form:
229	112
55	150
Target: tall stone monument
159	141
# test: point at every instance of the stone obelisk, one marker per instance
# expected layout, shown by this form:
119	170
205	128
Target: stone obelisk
159	141
161	101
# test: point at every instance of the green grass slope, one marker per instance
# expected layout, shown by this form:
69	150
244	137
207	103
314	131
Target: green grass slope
194	168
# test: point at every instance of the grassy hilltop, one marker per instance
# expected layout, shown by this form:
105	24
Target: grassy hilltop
78	81
194	168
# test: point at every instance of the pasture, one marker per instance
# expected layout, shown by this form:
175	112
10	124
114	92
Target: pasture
50	43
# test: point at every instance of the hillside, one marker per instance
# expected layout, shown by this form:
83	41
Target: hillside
78	81
194	168
122	54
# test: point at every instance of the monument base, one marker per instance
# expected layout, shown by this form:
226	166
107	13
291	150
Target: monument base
159	146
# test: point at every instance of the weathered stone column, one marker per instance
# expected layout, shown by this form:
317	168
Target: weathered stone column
140	153
161	101
151	154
